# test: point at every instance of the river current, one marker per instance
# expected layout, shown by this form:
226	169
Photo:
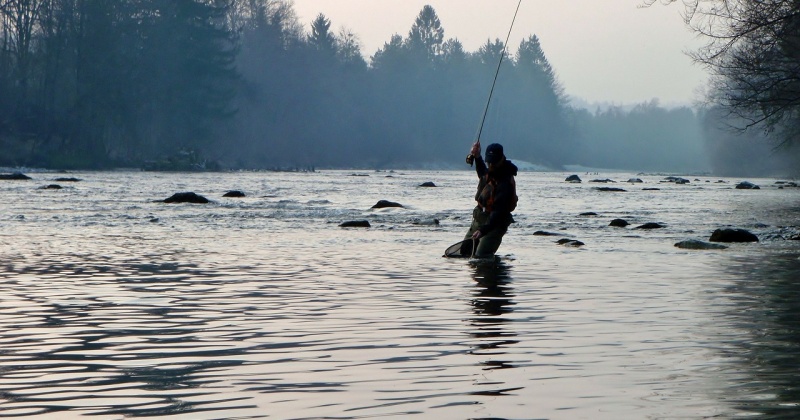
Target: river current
116	305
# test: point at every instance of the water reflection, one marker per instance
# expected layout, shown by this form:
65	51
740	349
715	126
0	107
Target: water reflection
764	301
492	302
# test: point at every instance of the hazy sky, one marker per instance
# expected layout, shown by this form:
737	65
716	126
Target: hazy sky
602	50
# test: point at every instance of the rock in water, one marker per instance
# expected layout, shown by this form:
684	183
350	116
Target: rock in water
695	244
186	197
427	184
385	203
733	235
619	223
425	222
15	176
234	193
573	178
745	185
650	225
355	223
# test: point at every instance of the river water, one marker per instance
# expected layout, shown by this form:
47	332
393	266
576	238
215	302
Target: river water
115	305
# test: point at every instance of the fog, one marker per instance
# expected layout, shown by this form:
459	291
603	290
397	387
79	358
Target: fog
110	85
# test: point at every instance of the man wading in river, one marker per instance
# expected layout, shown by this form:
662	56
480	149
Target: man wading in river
496	197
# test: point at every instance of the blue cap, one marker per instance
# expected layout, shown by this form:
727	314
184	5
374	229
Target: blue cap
494	153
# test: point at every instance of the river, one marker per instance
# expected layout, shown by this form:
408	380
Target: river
116	305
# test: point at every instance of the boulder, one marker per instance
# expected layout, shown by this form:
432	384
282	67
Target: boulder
619	223
609	189
732	235
635	180
16	176
427	184
697	244
650	225
745	185
234	194
186	197
355	223
676	180
570	242
573	178
385	203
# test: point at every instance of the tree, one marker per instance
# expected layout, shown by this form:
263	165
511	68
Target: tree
753	53
426	35
321	39
187	71
531	58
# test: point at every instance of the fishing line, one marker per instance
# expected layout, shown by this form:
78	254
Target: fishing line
491	91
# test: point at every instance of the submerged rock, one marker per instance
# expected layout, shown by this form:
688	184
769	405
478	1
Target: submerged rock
186	197
732	235
427	184
635	180
745	185
355	223
603	181
234	194
51	187
573	178
16	176
609	189
619	223
543	233
67	179
385	203
697	244
570	242
588	213
425	222
676	180
650	225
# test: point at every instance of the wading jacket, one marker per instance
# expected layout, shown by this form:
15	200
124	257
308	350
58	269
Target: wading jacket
497	194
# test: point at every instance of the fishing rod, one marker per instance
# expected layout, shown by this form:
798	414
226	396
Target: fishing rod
470	157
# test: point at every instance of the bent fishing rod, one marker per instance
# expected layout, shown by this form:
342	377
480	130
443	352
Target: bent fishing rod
470	157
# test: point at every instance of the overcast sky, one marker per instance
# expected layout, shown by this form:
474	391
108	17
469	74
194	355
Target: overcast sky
602	50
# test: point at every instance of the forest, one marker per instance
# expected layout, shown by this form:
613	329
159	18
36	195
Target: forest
240	84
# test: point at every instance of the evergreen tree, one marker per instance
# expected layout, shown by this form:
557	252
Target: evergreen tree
188	60
426	36
321	38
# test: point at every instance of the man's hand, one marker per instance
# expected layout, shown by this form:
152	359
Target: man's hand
476	149
476	235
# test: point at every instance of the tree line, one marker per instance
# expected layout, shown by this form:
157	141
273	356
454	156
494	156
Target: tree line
180	84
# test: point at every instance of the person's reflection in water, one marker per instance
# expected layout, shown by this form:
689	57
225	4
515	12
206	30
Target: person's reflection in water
491	301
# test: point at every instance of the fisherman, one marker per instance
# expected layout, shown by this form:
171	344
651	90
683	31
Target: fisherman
496	197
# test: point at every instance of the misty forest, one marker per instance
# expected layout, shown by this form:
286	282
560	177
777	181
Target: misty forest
240	84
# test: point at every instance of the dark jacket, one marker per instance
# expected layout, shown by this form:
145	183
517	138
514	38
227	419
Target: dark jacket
496	194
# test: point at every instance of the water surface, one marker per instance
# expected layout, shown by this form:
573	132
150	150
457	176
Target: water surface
116	305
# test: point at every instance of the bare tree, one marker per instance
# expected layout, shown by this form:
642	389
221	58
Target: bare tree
753	55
